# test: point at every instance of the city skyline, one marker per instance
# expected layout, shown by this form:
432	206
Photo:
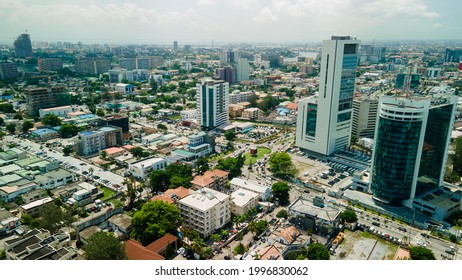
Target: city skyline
204	21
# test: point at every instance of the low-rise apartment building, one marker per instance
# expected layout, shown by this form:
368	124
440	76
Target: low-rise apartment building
205	211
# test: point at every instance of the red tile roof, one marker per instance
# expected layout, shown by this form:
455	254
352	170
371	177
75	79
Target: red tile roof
136	251
180	192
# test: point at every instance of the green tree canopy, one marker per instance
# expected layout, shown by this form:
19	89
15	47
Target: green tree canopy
161	127
349	216
51	216
139	152
239	249
154	220
104	246
421	253
317	251
100	112
281	165
232	165
26	125
282	214
51	120
67	150
258	227
202	165
11	127
6	107
159	181
230	135
281	192
68	130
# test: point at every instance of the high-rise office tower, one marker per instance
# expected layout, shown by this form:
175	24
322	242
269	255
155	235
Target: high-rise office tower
23	46
242	70
364	116
212	103
411	147
324	121
227	74
175	46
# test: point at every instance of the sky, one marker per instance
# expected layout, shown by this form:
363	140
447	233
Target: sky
239	21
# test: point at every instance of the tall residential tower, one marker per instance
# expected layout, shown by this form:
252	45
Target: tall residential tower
324	121
212	103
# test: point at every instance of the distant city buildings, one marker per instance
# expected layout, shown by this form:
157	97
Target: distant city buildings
8	70
50	64
92	66
453	55
175	46
324	121
23	46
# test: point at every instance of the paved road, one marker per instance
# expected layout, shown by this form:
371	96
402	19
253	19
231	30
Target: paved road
80	164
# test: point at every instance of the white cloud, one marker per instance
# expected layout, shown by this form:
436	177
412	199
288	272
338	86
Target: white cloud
265	15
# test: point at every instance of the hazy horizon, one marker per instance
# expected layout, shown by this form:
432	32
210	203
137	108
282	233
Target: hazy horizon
229	21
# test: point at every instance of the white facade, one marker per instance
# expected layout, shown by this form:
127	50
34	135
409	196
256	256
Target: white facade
141	169
212	103
324	123
242	201
124	88
92	142
238	97
206	210
364	116
263	192
57	111
188	114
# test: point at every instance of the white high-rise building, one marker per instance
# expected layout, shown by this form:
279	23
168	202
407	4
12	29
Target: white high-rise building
242	70
324	121
212	103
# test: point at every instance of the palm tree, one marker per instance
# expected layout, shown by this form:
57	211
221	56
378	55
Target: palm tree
198	245
91	170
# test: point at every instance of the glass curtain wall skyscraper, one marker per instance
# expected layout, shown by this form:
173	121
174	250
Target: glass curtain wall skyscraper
23	46
411	146
324	121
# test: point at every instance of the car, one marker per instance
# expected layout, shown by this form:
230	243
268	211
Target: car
402	229
83	163
376	224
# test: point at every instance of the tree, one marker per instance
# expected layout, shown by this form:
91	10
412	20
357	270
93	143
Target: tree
100	112
281	192
11	127
317	251
103	154
139	152
67	150
18	116
232	165
6	107
281	165
215	237
239	249
154	220
2	122
51	216
68	130
26	125
202	165
198	245
104	246
258	227
161	127
282	214
51	120
349	216
230	135
421	253
159	181
182	171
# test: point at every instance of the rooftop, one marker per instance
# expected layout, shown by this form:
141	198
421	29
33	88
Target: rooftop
241	197
301	205
250	185
204	199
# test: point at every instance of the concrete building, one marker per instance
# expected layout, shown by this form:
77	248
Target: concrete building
264	193
212	103
205	211
127	63
364	116
42	98
50	64
60	111
92	142
411	147
43	134
92	66
251	113
198	146
140	169
124	88
23	46
175	46
8	70
242	201
238	97
33	208
324	121
212	179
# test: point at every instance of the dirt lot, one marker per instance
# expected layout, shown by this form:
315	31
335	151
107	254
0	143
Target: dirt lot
364	246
